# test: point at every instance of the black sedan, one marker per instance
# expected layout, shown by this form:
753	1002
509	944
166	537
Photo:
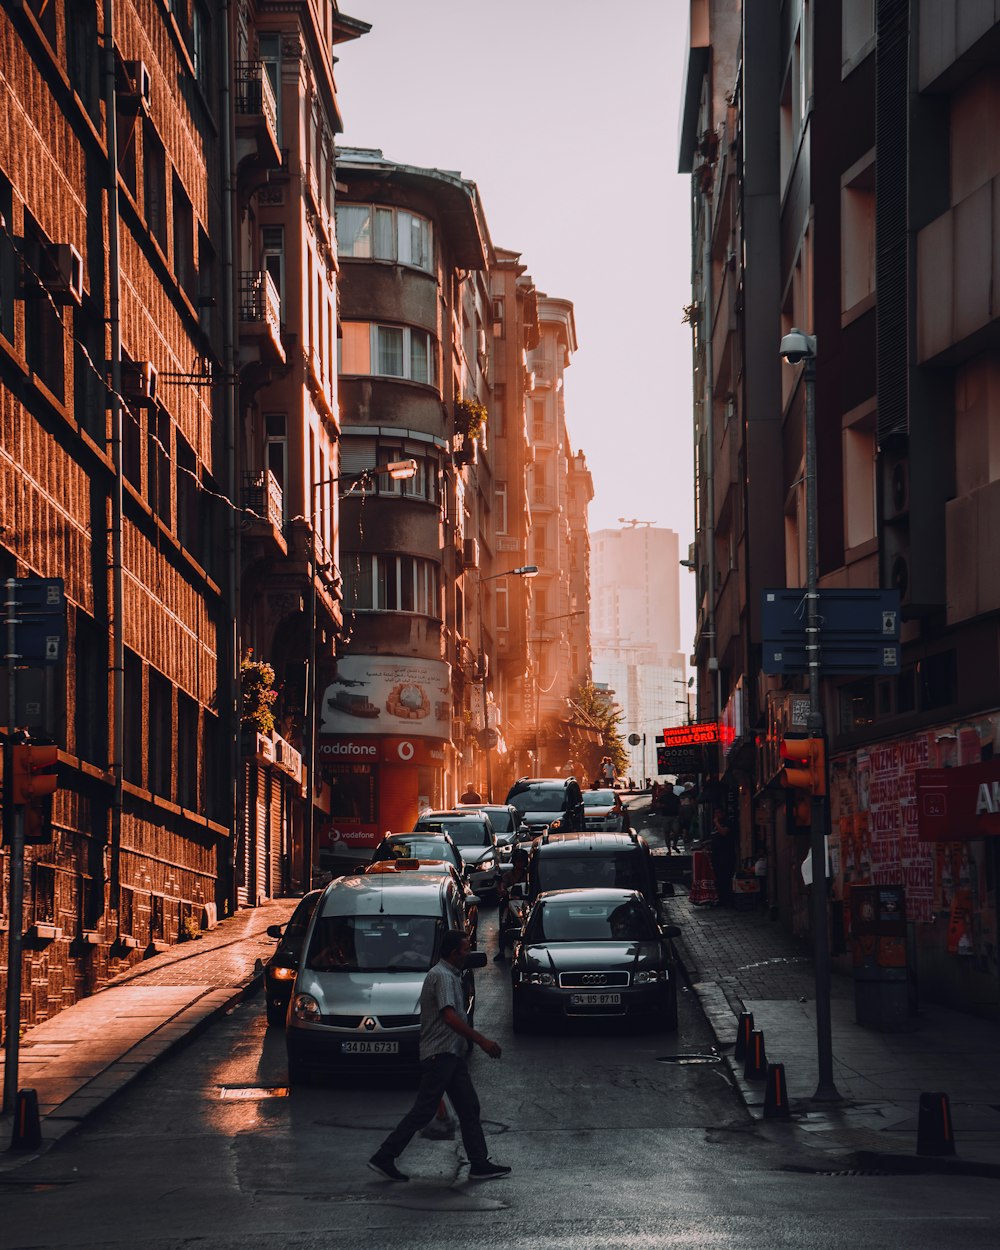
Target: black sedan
594	954
280	969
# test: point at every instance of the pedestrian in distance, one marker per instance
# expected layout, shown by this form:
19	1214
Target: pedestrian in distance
444	1034
723	856
471	795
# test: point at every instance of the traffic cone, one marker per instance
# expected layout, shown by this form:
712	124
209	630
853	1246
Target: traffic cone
27	1134
755	1067
934	1135
743	1031
776	1093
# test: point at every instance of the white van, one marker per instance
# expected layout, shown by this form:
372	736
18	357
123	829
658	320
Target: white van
372	939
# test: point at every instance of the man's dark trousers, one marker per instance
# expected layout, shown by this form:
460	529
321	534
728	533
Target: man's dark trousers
440	1075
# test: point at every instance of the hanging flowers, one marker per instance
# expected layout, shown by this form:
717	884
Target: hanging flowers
470	417
259	694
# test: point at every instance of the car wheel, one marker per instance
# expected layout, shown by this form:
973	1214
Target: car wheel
276	1013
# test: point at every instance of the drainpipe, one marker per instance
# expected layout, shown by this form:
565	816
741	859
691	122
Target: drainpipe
117	585
231	407
708	423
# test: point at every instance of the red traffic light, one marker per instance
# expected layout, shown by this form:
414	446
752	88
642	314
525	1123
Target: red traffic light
805	764
32	778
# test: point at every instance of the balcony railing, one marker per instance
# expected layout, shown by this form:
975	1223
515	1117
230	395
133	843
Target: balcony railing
254	93
260	301
263	496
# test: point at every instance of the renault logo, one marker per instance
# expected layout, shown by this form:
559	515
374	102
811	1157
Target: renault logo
368	1023
594	978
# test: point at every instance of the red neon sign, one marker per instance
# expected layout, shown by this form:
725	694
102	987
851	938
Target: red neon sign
691	735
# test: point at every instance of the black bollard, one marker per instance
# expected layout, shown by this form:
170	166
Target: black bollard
743	1031
755	1067
27	1134
934	1135
776	1093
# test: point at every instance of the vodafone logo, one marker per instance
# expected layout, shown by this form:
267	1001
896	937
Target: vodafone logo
405	751
358	750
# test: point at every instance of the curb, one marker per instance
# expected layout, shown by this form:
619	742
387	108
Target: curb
122	1072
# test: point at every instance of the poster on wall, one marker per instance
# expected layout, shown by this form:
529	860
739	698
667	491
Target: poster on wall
386	694
887	786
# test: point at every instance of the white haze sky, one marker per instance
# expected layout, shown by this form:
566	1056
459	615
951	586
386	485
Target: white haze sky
566	115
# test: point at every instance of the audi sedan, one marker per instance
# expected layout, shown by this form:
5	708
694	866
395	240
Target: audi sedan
594	954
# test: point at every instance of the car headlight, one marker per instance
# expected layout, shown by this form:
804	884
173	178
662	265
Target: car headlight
305	1007
283	974
539	978
648	976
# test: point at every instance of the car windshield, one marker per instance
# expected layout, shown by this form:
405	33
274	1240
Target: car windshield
295	931
583	872
461	832
565	920
501	819
372	944
416	848
540	799
598	798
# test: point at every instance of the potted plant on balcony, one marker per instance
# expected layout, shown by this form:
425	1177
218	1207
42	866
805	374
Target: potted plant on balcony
470	421
258	696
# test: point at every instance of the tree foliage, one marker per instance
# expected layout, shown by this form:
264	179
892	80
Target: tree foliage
607	718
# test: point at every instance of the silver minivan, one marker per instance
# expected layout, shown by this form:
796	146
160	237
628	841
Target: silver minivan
372	939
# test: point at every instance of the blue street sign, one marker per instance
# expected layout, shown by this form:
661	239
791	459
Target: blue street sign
40	639
858	658
869	615
38	596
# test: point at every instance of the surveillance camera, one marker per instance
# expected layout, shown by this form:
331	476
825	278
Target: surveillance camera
798	346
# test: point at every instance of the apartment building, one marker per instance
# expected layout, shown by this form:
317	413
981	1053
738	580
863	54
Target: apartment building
841	181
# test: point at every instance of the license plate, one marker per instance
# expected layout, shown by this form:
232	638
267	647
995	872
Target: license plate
595	1000
369	1048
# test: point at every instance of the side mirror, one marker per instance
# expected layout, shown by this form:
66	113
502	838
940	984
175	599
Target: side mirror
274	931
669	931
476	959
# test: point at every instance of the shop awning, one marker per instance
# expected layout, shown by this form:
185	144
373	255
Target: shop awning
957	804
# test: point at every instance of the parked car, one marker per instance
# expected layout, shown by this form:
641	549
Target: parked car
438	867
472	833
280	969
593	954
508	825
355	1004
603	809
418	846
548	803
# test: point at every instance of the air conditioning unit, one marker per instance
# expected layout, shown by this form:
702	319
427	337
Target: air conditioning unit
139	88
470	553
62	273
139	381
896	488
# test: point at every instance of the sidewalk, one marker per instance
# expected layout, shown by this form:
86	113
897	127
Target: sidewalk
84	1055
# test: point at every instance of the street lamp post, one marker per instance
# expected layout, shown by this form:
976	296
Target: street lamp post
798	347
524	570
398	470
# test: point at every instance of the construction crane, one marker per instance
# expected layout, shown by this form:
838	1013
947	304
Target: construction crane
633	522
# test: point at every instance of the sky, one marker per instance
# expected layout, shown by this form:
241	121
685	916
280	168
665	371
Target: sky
565	114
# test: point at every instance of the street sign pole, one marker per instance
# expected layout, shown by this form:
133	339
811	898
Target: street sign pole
826	1090
13	828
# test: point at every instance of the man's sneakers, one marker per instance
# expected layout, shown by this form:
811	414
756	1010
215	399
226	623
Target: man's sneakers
488	1171
386	1167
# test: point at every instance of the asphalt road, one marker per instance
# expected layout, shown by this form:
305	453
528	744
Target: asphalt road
610	1148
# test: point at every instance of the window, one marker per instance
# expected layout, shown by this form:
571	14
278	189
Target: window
158	463
272	247
500	508
183	222
387	351
498	410
858	31
538	420
857	238
188	503
44	902
126	913
154	185
392	583
91	703
498	320
370	232
269	50
83	65
187	751
502	605
133	718
201	35
7	266
859	485
160	726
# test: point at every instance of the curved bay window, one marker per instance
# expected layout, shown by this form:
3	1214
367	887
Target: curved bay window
387	351
373	232
391	583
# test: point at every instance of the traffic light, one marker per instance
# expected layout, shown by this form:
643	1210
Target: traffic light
31	778
804	764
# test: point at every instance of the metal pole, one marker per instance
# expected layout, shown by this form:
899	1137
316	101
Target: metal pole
310	710
826	1090
644	760
482	678
13	820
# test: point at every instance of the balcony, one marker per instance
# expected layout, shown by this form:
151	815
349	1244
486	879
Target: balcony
256	118
544	498
260	316
264	509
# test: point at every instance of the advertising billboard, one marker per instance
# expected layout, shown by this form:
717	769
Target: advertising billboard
387	694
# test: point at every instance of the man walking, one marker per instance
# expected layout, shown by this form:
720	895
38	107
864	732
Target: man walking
444	1031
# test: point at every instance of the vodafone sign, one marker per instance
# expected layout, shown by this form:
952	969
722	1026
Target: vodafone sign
381	750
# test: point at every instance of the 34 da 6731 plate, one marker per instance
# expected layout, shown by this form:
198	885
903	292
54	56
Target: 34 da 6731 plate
369	1048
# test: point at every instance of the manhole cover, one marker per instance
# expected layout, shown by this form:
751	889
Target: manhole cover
689	1060
253	1092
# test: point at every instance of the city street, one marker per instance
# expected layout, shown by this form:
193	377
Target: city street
610	1147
